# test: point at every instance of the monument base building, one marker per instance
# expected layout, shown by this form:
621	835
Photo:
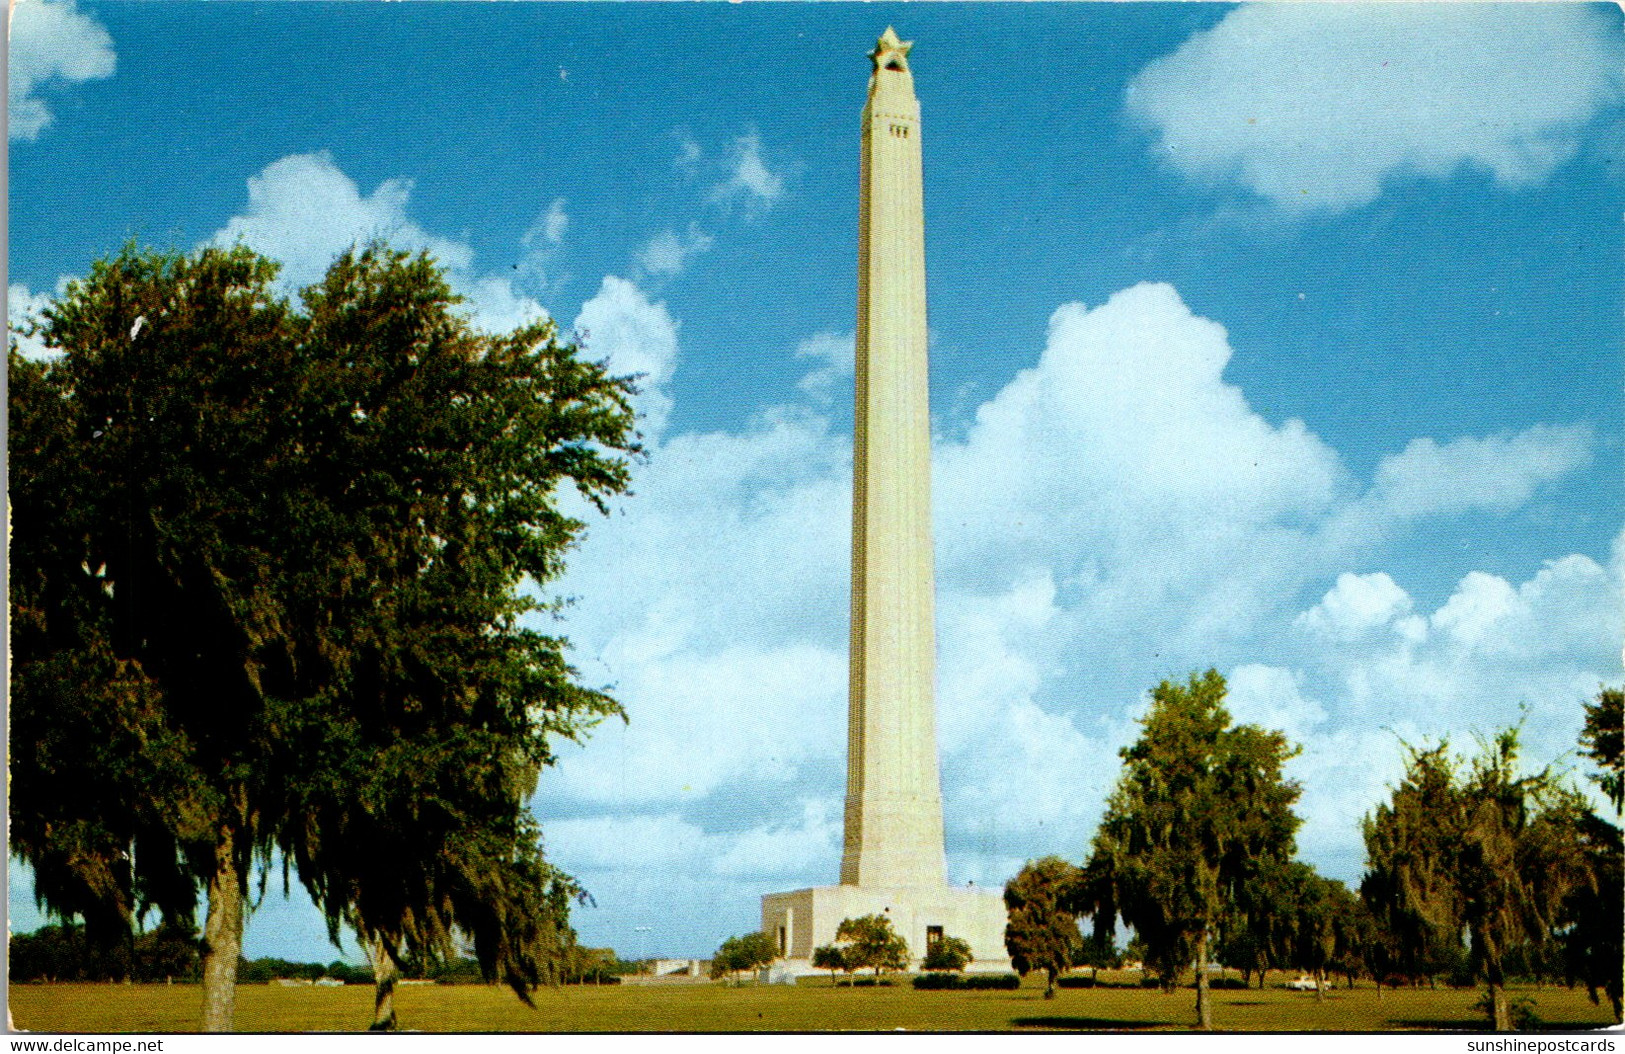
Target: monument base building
805	919
893	862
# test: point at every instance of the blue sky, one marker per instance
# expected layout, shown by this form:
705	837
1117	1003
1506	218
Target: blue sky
1281	339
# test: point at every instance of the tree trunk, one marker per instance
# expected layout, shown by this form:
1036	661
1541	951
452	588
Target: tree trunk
384	974
1049	991
1204	1011
1320	994
222	937
1500	1012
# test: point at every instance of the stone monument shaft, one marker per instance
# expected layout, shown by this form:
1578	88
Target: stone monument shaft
893	795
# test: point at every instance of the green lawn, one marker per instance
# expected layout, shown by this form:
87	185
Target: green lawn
809	1007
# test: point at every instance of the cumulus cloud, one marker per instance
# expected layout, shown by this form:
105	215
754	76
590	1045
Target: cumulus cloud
1272	697
1357	603
1493	653
668	253
622	326
23	309
1490	474
51	44
1117	514
303	211
750	183
1316	107
1127	464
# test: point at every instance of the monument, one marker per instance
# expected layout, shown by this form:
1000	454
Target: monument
893	861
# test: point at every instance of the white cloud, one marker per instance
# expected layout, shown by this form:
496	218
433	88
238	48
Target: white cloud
1356	604
50	44
635	336
1125	463
1117	514
542	242
22	311
1491	474
1317	106
668	253
785	850
833	353
304	211
1271	697
1493	653
750	182
550	225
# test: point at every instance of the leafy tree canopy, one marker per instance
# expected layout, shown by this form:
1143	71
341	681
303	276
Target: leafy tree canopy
740	954
1199	809
273	568
872	943
1604	742
948	953
1480	846
1041	932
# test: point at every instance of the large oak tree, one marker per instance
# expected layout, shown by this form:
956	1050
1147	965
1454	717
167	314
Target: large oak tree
1514	859
273	570
1200	808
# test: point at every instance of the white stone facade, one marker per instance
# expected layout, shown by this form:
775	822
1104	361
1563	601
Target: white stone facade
892	861
807	918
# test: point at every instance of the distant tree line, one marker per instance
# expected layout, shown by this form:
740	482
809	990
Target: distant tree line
64	953
170	954
1477	871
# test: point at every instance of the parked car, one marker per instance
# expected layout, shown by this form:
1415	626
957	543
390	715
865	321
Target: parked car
1302	983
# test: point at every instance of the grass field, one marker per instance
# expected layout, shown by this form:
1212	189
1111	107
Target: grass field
809	1007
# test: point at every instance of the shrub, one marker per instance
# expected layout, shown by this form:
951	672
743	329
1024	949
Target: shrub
1074	982
949	953
967	982
1228	984
937	980
1007	981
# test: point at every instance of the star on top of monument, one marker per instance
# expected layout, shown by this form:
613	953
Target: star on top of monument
891	52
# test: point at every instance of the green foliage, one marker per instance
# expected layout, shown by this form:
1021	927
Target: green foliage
1604	742
740	954
949	953
1587	920
871	943
1501	854
66	953
1409	882
270	592
1311	905
1097	954
967	982
1200	810
831	957
260	971
1041	932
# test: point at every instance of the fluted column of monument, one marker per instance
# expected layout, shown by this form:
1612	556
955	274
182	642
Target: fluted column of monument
893	797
